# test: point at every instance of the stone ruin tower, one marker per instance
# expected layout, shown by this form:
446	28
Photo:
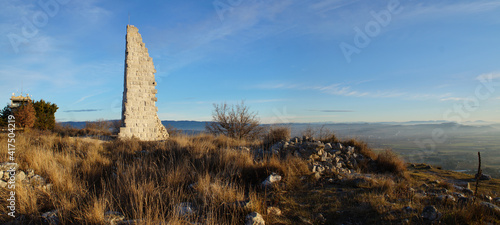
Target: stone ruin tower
139	117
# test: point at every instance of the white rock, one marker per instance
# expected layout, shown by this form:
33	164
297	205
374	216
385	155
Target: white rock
254	218
3	183
37	180
8	165
273	178
446	198
20	176
113	218
274	211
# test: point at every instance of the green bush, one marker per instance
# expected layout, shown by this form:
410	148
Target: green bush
45	115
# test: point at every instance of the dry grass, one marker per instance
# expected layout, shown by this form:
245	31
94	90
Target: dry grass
276	134
143	180
149	180
361	147
388	161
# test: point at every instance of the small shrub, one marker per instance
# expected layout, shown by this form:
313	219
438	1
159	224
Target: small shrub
388	161
4	116
276	134
236	121
45	115
25	116
309	131
172	131
361	147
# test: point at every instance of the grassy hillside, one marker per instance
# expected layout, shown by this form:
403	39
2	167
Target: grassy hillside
217	180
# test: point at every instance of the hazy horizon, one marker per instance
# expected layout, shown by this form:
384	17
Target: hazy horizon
291	61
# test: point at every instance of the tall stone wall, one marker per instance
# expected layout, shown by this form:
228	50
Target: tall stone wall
139	112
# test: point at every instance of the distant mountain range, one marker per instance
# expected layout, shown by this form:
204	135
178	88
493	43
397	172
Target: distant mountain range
353	129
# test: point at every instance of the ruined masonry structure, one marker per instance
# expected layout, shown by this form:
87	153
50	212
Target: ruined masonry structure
139	118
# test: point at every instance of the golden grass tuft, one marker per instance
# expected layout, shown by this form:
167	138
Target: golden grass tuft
361	147
388	161
276	134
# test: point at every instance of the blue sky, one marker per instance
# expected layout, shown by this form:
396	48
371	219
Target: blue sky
291	61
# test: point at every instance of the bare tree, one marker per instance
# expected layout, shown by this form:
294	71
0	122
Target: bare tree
234	121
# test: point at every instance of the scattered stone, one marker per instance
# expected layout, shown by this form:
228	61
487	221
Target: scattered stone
484	177
487	198
132	222
274	211
30	173
458	195
273	178
305	220
446	198
459	184
320	218
37	180
338	146
431	213
254	218
428	167
409	209
494	208
51	217
113	218
245	149
317	175
20	176
434	182
8	166
463	200
3	184
185	208
468	191
47	187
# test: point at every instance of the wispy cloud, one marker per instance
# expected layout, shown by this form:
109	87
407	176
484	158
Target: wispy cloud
251	101
85	97
266	100
333	89
454	99
83	110
457	8
331	110
488	76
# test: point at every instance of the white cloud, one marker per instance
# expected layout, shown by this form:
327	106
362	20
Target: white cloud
454	99
457	8
488	76
333	89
